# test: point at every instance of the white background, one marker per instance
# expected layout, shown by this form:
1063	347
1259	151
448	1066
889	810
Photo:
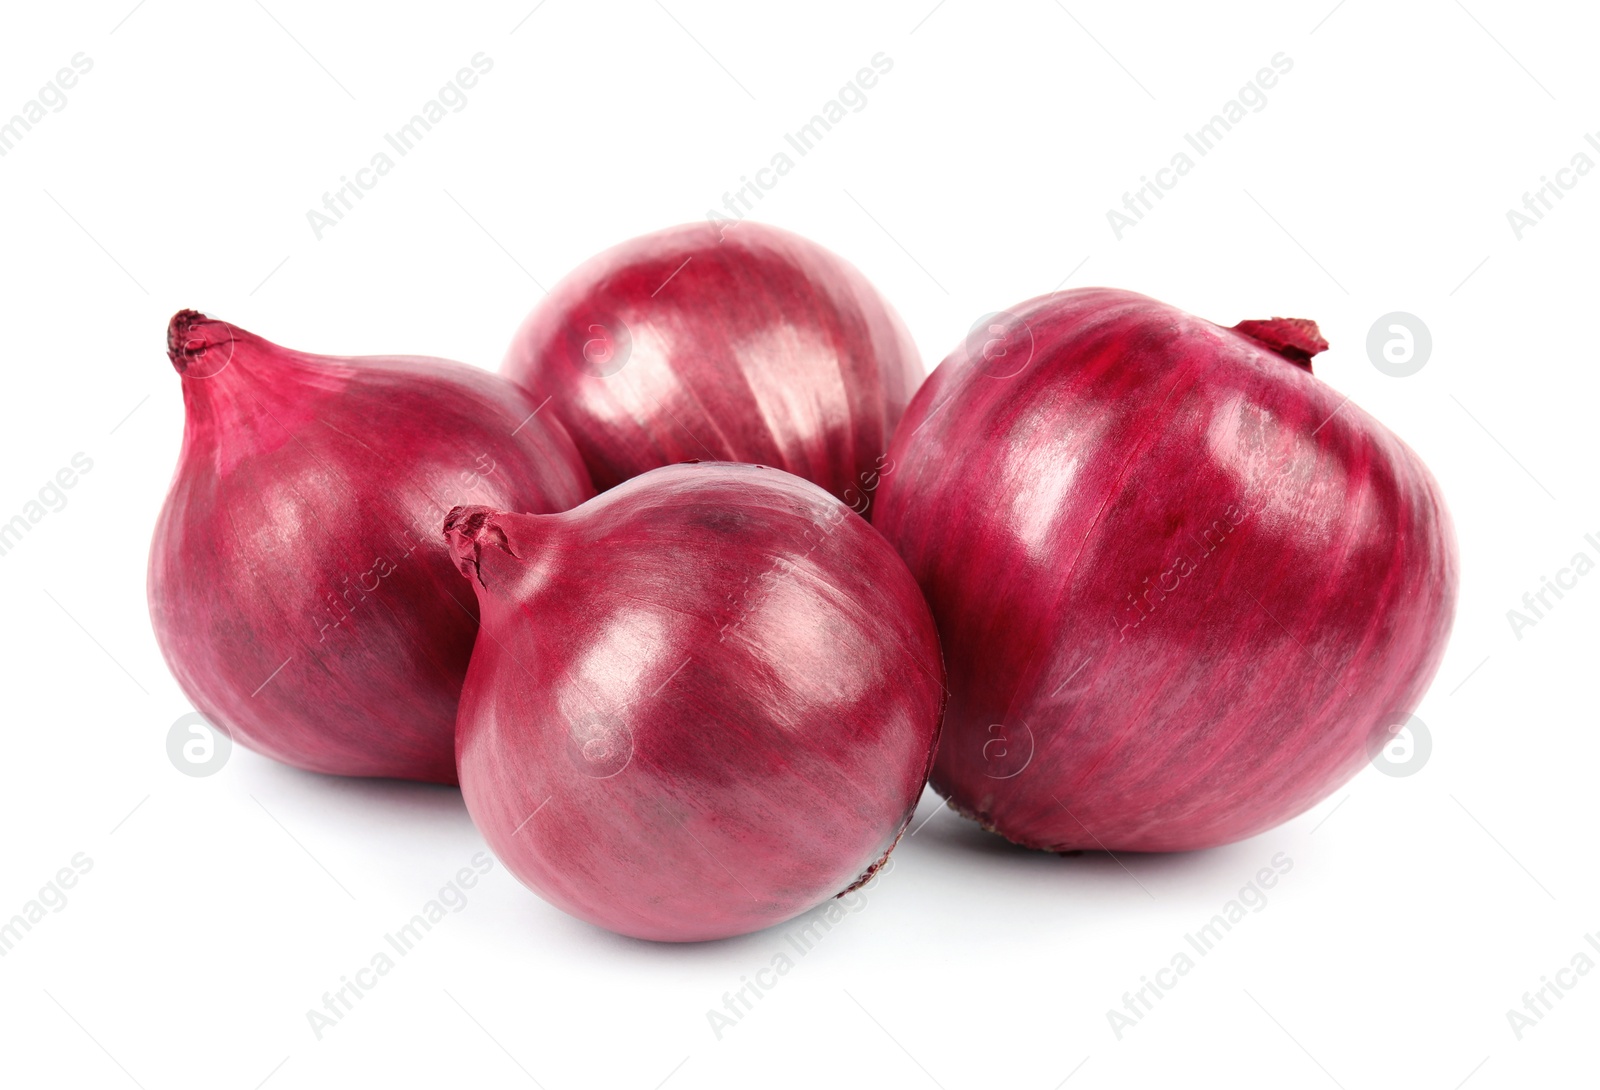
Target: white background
1377	178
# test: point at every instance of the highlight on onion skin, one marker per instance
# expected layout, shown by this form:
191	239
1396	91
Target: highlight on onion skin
1184	588
700	704
744	343
297	584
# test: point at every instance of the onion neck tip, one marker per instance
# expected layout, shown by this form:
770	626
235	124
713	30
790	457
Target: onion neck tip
1294	339
190	336
466	530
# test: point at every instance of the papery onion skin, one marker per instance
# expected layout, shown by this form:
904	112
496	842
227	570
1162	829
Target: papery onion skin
297	584
1184	588
700	704
741	343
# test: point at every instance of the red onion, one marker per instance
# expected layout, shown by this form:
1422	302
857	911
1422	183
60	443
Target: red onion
700	704
1184	588
298	586
745	344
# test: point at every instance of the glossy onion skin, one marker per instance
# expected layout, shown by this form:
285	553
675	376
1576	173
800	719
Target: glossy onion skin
297	583
701	703
741	343
1184	589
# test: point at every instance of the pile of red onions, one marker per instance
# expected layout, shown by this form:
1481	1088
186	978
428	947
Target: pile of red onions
1179	590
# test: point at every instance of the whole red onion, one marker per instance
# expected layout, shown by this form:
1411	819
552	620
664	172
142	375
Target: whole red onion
1184	589
700	704
746	344
298	586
